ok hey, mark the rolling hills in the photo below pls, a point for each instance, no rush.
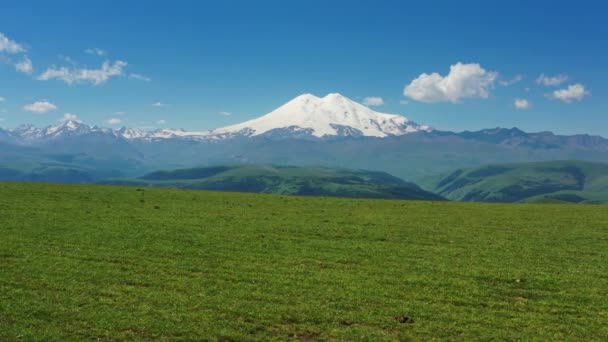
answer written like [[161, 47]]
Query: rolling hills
[[287, 180], [55, 169], [555, 181], [90, 262]]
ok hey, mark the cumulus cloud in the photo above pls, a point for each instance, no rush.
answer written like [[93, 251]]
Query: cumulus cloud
[[40, 107], [140, 77], [161, 122], [574, 92], [551, 80], [68, 117], [373, 101], [9, 46], [96, 51], [25, 66], [114, 121], [522, 104], [75, 75], [463, 81]]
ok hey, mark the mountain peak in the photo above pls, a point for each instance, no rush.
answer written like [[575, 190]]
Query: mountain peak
[[331, 97], [71, 124], [306, 97], [67, 126], [332, 115], [131, 133], [335, 96]]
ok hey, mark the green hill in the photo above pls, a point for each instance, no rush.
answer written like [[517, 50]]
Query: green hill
[[556, 181], [286, 180], [90, 262], [51, 171]]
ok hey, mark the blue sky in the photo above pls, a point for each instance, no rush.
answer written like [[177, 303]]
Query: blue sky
[[200, 61]]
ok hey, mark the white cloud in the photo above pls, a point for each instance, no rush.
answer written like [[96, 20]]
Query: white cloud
[[373, 101], [522, 104], [516, 79], [225, 113], [25, 66], [40, 107], [68, 117], [551, 80], [463, 81], [574, 92], [94, 76], [9, 46], [140, 77], [96, 51], [159, 104], [114, 121], [161, 122]]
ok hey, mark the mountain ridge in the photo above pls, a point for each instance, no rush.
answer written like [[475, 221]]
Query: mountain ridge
[[29, 133], [554, 181], [285, 180], [332, 115], [413, 155], [304, 117]]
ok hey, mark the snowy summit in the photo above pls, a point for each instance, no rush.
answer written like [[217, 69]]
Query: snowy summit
[[332, 115]]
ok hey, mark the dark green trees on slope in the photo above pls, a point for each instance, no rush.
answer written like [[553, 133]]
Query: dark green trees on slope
[[289, 180]]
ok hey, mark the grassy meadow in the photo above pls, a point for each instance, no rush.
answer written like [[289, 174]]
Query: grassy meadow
[[90, 262]]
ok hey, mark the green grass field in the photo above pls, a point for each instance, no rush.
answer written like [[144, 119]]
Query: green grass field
[[117, 263]]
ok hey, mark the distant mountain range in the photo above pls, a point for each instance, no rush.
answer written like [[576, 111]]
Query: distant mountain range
[[305, 116], [331, 131], [555, 181], [286, 180]]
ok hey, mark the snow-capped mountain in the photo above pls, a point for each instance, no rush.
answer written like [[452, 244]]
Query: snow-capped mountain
[[67, 128], [308, 130], [309, 115], [332, 115], [131, 133], [305, 116]]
